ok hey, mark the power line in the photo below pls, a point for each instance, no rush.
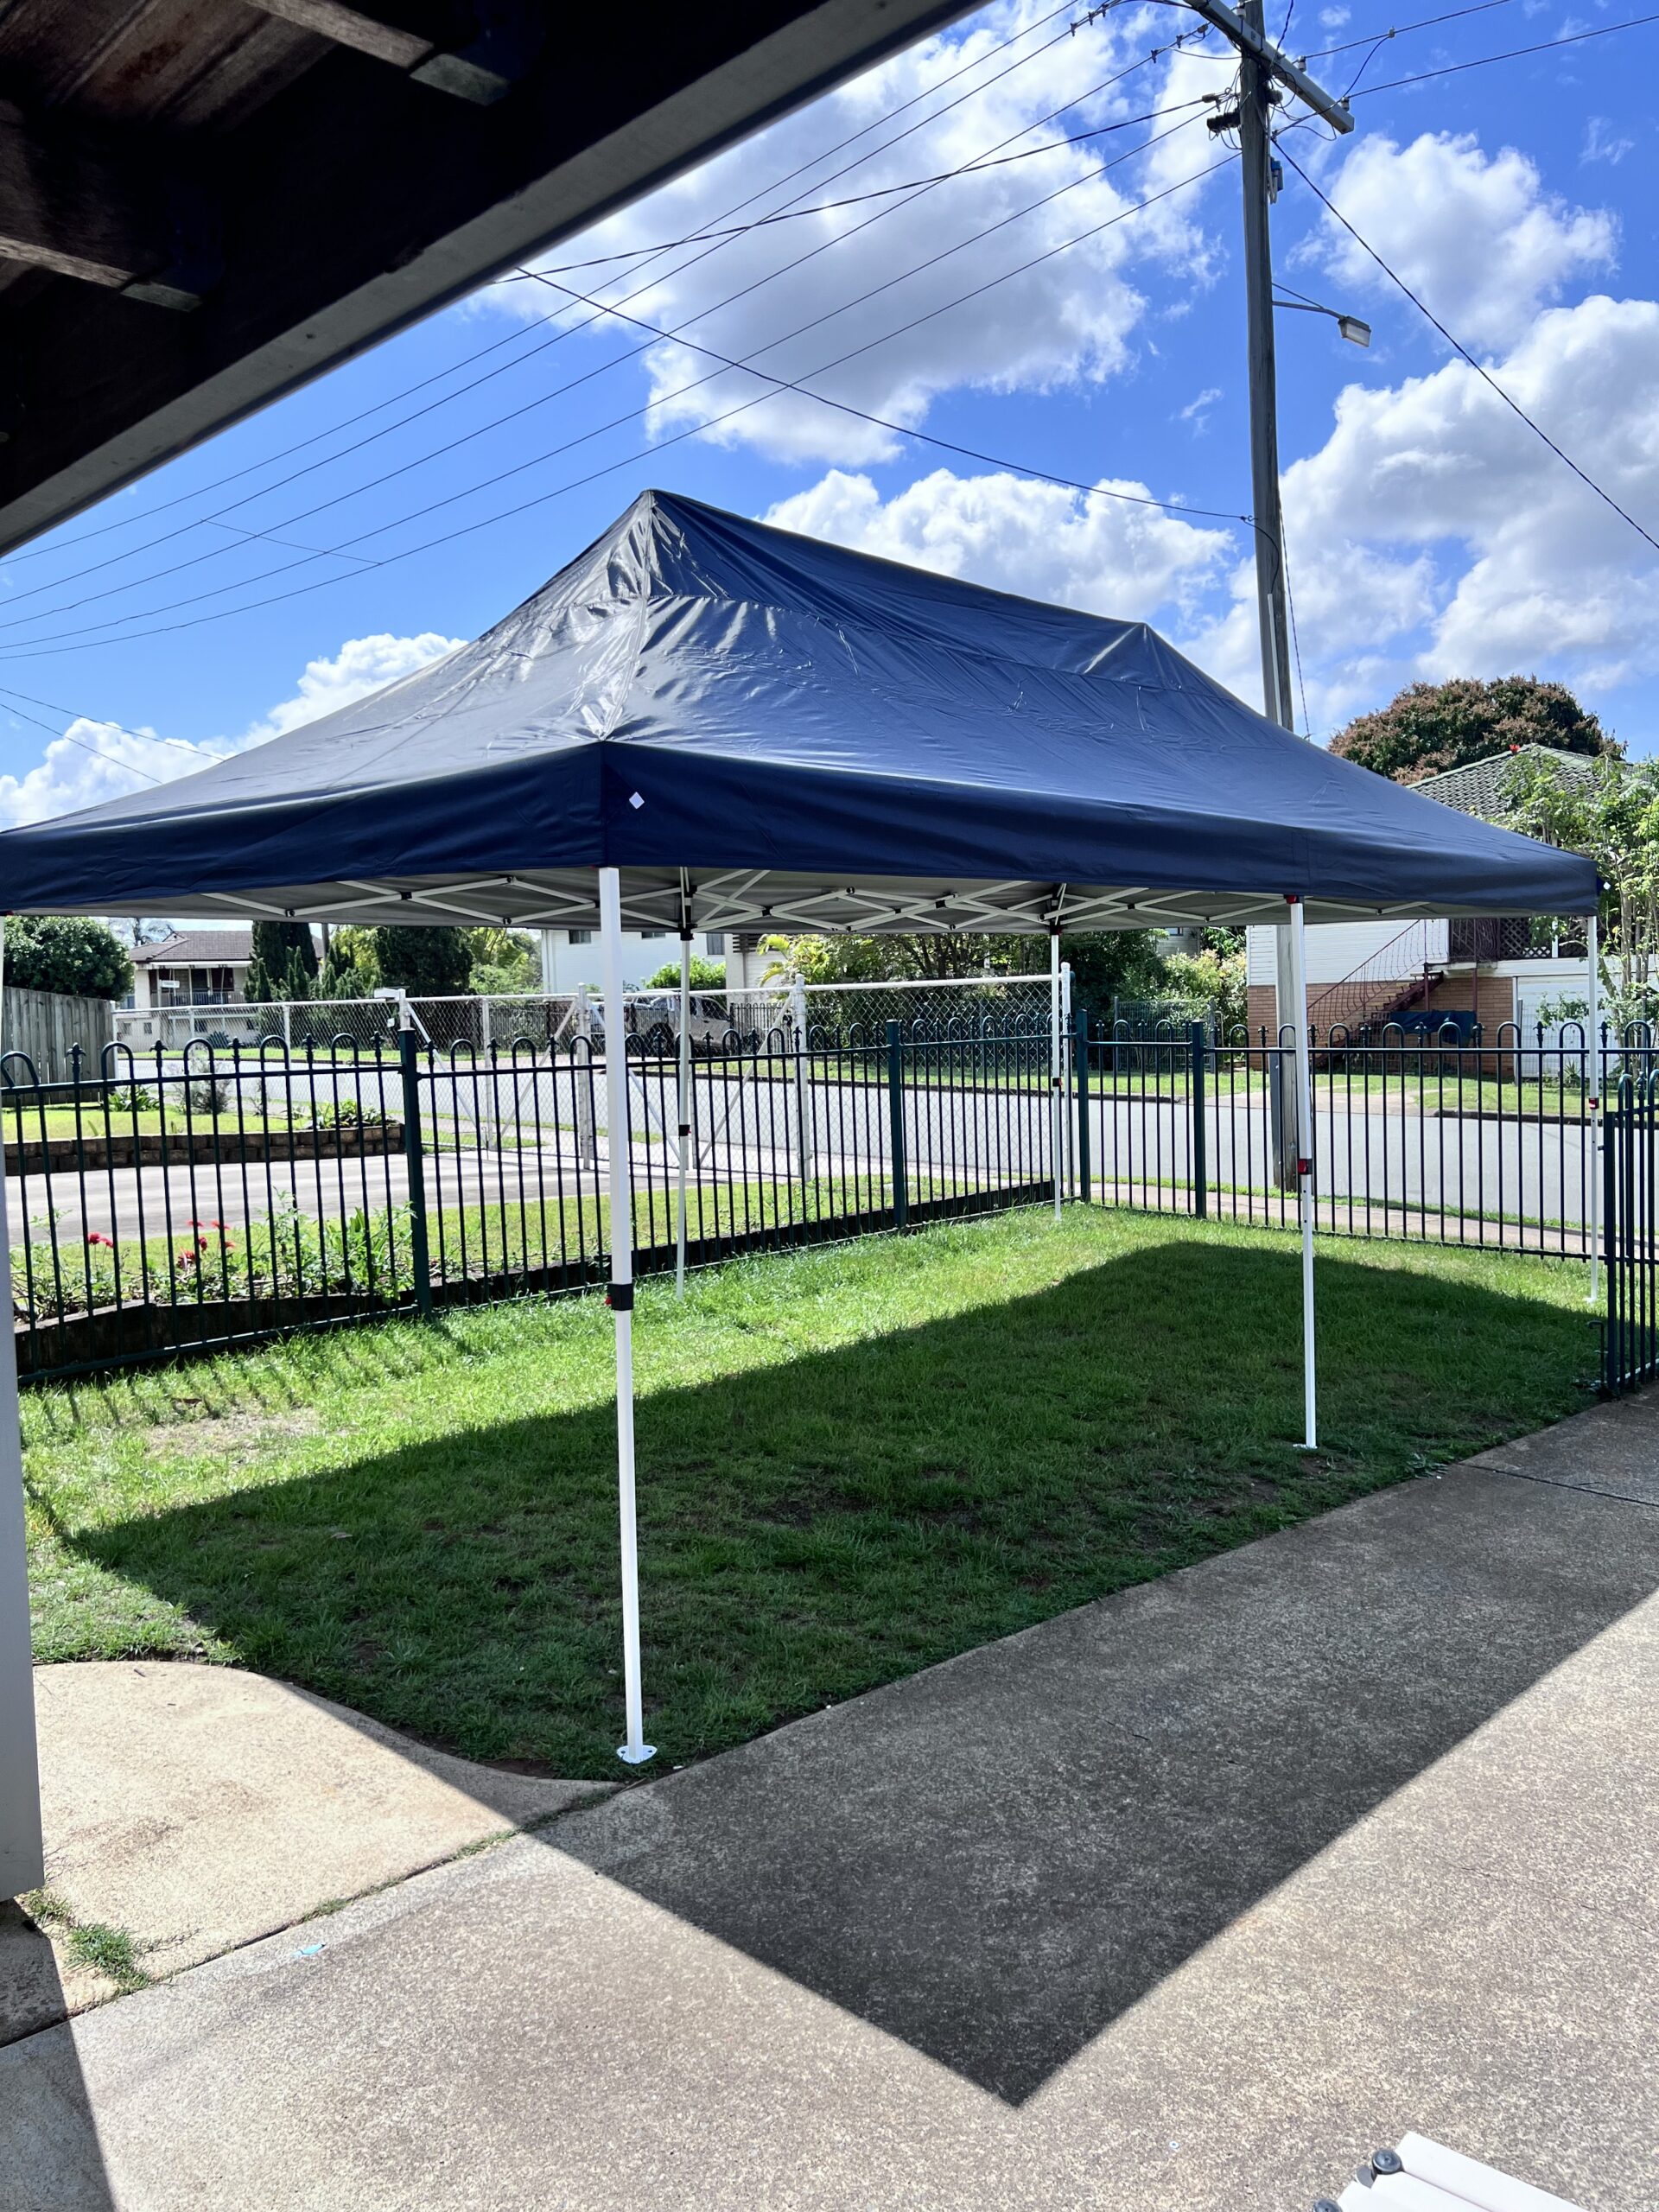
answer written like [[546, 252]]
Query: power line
[[1510, 53], [779, 384], [601, 309], [1458, 347], [1399, 30], [103, 721], [98, 753], [981, 165], [654, 335], [771, 185]]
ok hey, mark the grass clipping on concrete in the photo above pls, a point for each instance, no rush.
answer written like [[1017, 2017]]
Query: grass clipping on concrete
[[852, 1462]]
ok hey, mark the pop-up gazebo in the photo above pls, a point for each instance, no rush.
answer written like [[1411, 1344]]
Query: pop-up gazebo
[[702, 720]]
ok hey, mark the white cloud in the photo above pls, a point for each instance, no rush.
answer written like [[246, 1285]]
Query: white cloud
[[1070, 320], [1197, 411], [1601, 145], [1104, 556], [1435, 534], [1475, 235], [94, 760], [361, 666], [1334, 19]]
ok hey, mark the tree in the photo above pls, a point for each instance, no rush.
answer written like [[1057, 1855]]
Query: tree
[[1431, 727], [427, 963], [82, 959], [348, 970], [1106, 965], [502, 961], [282, 963], [1611, 816]]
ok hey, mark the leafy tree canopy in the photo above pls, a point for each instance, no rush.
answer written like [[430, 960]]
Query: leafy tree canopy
[[503, 960], [1431, 727], [82, 959], [429, 963]]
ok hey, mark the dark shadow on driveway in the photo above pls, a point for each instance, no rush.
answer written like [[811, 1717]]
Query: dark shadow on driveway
[[995, 1858]]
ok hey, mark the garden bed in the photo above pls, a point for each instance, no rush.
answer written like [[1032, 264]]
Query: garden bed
[[117, 1334], [179, 1147]]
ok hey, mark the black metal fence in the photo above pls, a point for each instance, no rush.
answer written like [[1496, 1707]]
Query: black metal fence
[[1631, 1211], [1455, 1137], [169, 1203], [166, 1202]]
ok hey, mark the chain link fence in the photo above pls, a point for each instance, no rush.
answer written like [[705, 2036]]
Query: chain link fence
[[850, 1014]]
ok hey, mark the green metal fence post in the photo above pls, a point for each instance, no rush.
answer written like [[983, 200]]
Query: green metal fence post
[[419, 1258], [896, 1119], [1083, 1162], [1200, 1130]]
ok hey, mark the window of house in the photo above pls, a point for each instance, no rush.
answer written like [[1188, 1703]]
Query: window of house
[[713, 943], [580, 937]]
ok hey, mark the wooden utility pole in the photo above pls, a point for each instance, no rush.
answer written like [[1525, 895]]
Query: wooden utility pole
[[1263, 71]]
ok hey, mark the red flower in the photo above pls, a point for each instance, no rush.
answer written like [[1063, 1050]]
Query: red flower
[[93, 1237]]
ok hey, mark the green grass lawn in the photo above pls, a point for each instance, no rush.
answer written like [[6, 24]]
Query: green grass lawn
[[854, 1461]]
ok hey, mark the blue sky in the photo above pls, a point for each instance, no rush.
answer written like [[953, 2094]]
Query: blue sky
[[1430, 531]]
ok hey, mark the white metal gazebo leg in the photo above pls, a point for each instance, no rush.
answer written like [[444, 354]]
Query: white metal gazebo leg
[[635, 1751], [684, 1139], [1305, 1170], [1593, 1086], [21, 1860], [1056, 1069]]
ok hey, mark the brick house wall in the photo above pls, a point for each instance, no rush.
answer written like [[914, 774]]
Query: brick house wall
[[1492, 997]]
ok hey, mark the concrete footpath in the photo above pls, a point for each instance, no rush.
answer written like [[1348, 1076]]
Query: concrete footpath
[[1183, 1900]]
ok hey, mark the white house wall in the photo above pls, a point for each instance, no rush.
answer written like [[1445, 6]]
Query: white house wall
[[1335, 950], [1538, 983]]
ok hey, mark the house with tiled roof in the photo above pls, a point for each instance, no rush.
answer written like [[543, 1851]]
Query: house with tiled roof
[[1361, 975], [191, 968]]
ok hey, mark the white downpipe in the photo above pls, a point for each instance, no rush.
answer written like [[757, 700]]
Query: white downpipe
[[684, 1140], [1056, 1068], [22, 1861], [1305, 1170], [1593, 1068], [636, 1751]]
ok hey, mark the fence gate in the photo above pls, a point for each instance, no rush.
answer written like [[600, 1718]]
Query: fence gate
[[1629, 1354]]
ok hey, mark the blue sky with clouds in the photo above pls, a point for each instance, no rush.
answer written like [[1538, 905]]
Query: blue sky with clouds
[[1075, 310]]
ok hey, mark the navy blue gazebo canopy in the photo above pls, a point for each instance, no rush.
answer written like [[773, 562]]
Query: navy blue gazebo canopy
[[795, 737]]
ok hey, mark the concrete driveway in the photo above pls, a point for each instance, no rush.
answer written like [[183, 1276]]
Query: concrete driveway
[[1183, 1900]]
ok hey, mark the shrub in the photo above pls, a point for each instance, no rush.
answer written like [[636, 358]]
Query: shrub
[[347, 1114], [706, 975]]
